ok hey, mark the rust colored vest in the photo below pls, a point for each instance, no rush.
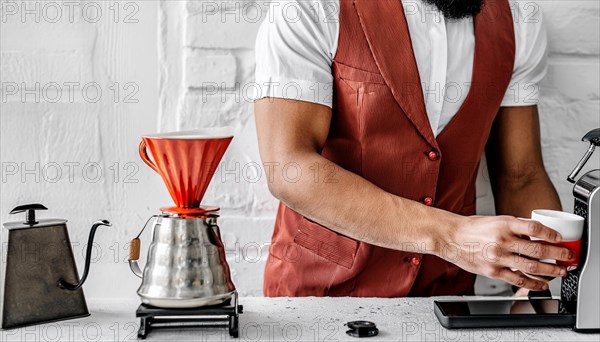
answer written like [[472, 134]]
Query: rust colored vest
[[380, 131]]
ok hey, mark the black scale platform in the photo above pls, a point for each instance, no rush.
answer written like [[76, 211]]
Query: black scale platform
[[218, 316]]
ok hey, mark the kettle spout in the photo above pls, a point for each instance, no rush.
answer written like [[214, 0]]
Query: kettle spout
[[72, 287]]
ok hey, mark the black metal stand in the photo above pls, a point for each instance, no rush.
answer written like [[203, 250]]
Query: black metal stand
[[218, 316]]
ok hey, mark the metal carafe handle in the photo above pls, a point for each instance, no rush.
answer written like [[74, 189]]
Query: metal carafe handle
[[134, 256], [134, 251], [72, 287], [593, 137]]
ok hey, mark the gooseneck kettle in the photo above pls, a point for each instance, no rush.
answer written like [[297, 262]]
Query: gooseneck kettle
[[40, 279]]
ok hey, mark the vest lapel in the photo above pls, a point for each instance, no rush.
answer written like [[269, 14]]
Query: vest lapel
[[387, 33]]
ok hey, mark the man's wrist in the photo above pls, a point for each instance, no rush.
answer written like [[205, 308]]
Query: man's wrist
[[444, 230]]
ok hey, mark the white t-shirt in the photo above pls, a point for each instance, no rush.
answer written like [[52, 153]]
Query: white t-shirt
[[298, 40]]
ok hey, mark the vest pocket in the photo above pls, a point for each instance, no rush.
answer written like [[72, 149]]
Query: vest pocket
[[326, 244], [349, 73]]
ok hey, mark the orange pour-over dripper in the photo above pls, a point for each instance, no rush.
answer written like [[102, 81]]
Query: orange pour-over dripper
[[186, 161]]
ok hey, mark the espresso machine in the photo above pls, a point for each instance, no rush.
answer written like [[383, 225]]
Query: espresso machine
[[580, 290], [186, 280]]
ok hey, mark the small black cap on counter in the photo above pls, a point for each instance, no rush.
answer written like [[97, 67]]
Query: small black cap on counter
[[362, 329]]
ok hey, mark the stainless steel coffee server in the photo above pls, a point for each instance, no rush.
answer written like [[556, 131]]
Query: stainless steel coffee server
[[186, 266], [580, 294]]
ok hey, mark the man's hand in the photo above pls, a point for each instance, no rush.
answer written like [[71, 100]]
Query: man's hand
[[498, 247]]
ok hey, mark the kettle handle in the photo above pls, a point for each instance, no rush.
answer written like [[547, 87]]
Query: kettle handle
[[134, 256], [72, 287], [146, 158], [134, 250]]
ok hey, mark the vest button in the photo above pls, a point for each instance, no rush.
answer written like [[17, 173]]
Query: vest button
[[415, 261], [428, 201], [433, 155]]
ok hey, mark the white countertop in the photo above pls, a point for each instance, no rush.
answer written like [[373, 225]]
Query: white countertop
[[288, 319]]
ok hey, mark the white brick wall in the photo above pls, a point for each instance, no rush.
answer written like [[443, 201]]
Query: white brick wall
[[186, 64]]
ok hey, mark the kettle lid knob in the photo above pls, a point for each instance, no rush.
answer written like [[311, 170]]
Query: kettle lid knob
[[29, 210]]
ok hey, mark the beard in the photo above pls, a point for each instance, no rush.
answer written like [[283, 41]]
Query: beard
[[457, 9]]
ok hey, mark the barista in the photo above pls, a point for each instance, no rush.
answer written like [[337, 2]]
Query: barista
[[372, 117]]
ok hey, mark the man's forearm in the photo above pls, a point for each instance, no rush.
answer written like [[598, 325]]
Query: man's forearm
[[514, 157], [352, 206], [519, 198]]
